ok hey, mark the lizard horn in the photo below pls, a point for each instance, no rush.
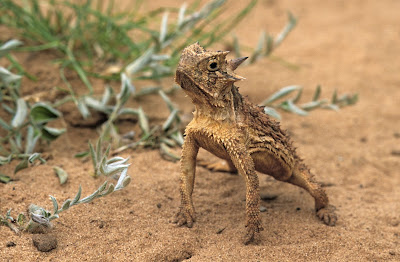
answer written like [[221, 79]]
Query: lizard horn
[[234, 63]]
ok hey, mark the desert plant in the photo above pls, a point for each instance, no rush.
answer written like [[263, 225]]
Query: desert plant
[[41, 217], [28, 123], [84, 32], [289, 104]]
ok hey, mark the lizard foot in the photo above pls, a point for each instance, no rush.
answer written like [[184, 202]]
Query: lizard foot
[[218, 166], [252, 229], [185, 217], [327, 215]]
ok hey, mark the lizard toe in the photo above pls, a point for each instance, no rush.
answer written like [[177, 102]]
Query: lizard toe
[[328, 215], [184, 218]]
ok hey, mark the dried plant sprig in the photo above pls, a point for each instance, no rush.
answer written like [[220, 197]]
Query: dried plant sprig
[[290, 105], [40, 216], [266, 43]]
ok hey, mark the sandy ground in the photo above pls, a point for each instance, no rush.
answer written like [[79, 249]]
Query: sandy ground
[[353, 46]]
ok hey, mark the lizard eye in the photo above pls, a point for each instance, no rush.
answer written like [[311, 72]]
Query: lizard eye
[[213, 65]]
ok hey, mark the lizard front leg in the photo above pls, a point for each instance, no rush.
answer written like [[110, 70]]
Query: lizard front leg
[[245, 166], [186, 214]]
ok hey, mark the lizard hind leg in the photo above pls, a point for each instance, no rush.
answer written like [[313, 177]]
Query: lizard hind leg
[[302, 177]]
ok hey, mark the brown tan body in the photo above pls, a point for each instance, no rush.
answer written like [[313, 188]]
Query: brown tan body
[[230, 127]]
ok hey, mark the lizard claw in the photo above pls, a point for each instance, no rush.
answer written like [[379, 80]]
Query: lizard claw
[[328, 215], [252, 229], [184, 217]]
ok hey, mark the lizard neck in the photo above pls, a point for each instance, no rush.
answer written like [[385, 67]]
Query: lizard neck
[[226, 109]]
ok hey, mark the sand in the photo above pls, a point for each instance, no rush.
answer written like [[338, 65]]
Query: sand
[[351, 46]]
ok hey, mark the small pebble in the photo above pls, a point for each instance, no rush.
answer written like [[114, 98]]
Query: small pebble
[[219, 231], [395, 152], [11, 244], [44, 242], [298, 208], [263, 209], [159, 205]]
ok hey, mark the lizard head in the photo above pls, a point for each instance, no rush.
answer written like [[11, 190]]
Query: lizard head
[[206, 76]]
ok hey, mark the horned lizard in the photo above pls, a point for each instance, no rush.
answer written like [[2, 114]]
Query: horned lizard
[[229, 126]]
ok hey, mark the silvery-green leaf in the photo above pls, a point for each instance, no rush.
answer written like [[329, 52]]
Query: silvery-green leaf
[[118, 159], [94, 195], [160, 57], [166, 151], [40, 219], [83, 109], [289, 106], [164, 28], [5, 160], [109, 170], [96, 105], [286, 30], [128, 111], [167, 124], [272, 112], [331, 106], [258, 50], [62, 175], [126, 89], [108, 92], [181, 15], [281, 93], [317, 93], [21, 219], [93, 157], [168, 142], [53, 217], [50, 133], [313, 104], [7, 77], [99, 145], [147, 91], [35, 209], [298, 95], [4, 179], [55, 205], [14, 146], [20, 114], [9, 45], [334, 97], [82, 154], [8, 109], [22, 165], [4, 125], [177, 136], [43, 113], [18, 140], [31, 139], [140, 63], [66, 205], [108, 191], [123, 180], [77, 196], [269, 45], [33, 157], [143, 121]]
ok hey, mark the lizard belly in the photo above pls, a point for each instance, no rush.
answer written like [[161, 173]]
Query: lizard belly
[[268, 163], [214, 147]]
